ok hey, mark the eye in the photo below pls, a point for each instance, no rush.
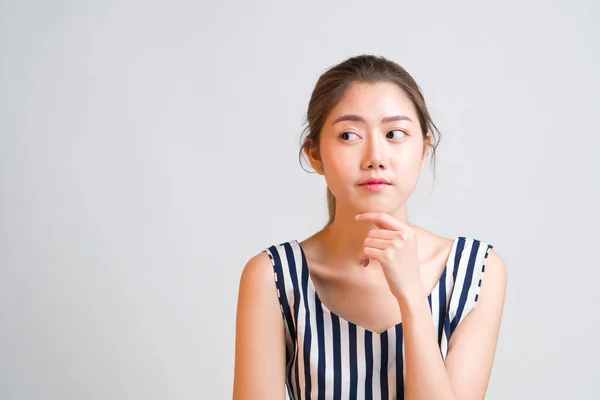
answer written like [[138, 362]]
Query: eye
[[399, 134], [346, 135]]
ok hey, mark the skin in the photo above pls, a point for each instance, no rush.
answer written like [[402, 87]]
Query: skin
[[403, 261]]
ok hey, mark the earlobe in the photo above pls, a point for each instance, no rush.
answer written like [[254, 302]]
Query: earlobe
[[313, 157], [426, 150], [319, 168]]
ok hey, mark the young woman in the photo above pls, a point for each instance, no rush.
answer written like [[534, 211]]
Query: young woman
[[371, 306]]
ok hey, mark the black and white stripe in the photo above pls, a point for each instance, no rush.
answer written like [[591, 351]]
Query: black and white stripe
[[331, 358]]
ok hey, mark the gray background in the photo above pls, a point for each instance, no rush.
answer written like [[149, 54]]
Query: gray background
[[148, 150]]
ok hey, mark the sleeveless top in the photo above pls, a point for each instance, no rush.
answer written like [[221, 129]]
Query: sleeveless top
[[328, 357]]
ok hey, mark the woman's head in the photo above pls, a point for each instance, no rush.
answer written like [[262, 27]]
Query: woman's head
[[367, 118]]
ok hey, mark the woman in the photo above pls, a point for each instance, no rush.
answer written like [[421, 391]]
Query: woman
[[371, 306]]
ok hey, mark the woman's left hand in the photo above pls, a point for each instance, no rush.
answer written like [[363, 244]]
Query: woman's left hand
[[394, 245]]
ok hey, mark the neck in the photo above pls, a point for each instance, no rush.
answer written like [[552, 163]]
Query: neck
[[344, 237]]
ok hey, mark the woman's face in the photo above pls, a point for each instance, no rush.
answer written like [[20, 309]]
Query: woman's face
[[373, 132]]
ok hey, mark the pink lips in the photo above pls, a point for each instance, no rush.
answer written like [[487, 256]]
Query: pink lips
[[375, 184]]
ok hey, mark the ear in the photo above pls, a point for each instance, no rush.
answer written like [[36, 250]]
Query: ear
[[427, 145], [314, 158]]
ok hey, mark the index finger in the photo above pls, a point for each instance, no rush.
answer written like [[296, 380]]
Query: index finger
[[381, 220]]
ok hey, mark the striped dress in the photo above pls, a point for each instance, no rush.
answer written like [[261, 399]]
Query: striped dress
[[328, 357]]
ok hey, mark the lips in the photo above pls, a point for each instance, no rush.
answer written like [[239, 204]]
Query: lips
[[375, 181]]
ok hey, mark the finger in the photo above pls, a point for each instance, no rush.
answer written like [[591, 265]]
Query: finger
[[377, 243], [383, 234], [382, 220], [375, 254]]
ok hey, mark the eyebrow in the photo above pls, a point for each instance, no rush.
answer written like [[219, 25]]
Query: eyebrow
[[358, 118]]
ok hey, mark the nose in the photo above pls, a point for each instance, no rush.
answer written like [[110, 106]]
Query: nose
[[375, 155]]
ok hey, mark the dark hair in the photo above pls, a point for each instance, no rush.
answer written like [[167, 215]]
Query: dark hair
[[332, 85]]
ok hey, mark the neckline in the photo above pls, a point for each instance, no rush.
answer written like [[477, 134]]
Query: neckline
[[306, 270]]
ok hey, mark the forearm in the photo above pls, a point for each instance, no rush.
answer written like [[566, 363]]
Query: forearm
[[426, 376]]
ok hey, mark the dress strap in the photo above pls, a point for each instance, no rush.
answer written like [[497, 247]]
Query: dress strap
[[285, 269], [469, 268]]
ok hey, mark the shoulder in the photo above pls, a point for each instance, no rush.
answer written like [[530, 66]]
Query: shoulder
[[258, 270], [260, 335], [490, 265], [257, 297], [472, 344], [496, 274], [489, 256]]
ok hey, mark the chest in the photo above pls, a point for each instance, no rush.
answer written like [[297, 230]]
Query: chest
[[366, 303], [363, 297]]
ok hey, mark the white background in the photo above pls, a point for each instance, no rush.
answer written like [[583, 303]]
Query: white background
[[148, 150]]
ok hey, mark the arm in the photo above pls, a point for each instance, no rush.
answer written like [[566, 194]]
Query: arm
[[260, 337], [466, 372]]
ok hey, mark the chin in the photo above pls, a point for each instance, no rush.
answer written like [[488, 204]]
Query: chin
[[376, 206]]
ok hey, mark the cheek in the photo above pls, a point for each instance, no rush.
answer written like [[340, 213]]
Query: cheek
[[337, 171], [407, 159], [407, 170], [337, 160], [340, 170]]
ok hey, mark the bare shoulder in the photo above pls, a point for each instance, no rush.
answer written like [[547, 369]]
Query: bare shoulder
[[258, 300], [258, 271], [260, 341], [494, 260], [496, 274]]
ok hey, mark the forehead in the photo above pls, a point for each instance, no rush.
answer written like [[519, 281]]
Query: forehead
[[374, 100]]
